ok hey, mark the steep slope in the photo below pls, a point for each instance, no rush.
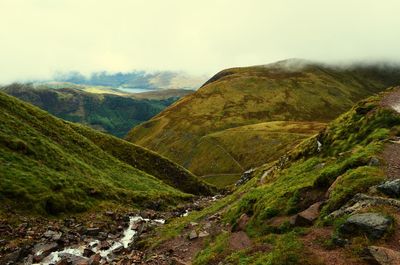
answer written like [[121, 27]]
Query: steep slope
[[111, 113], [300, 209], [291, 90], [147, 161], [51, 166]]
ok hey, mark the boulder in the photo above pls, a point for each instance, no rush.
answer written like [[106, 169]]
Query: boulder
[[362, 201], [95, 259], [74, 260], [384, 256], [242, 222], [118, 249], [104, 245], [308, 216], [40, 251], [390, 188], [53, 235], [87, 252], [93, 231], [374, 225]]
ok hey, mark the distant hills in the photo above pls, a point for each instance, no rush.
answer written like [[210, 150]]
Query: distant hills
[[244, 117], [51, 166], [136, 79], [102, 108]]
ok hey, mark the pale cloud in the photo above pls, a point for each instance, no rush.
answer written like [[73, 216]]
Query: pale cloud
[[40, 37]]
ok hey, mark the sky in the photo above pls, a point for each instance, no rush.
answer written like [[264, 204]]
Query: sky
[[42, 37]]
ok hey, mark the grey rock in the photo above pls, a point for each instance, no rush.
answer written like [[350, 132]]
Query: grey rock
[[203, 234], [11, 258], [390, 188], [193, 235], [374, 225], [361, 201], [118, 249], [87, 252], [41, 250], [242, 222], [53, 235], [384, 256], [93, 231], [74, 260], [246, 176], [374, 162]]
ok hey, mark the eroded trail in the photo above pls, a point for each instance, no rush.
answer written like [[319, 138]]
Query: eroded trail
[[392, 100], [391, 154]]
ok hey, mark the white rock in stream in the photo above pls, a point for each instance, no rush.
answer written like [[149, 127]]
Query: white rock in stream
[[127, 238]]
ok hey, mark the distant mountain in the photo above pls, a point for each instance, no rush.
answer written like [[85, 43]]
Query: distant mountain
[[243, 117], [114, 113], [135, 79], [50, 166]]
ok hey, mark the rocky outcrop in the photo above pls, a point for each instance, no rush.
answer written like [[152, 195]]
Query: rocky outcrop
[[361, 201], [384, 256], [390, 188], [374, 225], [246, 176]]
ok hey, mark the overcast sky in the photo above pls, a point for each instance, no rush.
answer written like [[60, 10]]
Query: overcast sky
[[40, 37]]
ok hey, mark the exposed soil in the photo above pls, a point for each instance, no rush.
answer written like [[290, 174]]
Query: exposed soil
[[314, 243], [391, 154], [392, 100], [182, 249], [239, 240]]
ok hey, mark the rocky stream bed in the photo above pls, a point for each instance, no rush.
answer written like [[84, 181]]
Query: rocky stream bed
[[103, 238]]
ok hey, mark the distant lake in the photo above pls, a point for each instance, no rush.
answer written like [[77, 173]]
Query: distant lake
[[134, 90]]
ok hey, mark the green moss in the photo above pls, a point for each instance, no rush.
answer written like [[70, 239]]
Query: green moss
[[287, 251], [214, 250], [352, 182]]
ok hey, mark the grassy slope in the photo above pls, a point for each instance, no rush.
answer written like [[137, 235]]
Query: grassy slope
[[112, 113], [164, 94], [46, 166], [297, 180], [250, 95], [245, 147], [147, 161]]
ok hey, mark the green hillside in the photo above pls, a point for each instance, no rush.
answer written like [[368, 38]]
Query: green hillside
[[48, 165], [193, 131], [352, 158], [114, 113]]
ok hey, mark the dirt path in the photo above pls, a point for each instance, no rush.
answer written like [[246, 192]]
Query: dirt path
[[391, 154], [392, 100]]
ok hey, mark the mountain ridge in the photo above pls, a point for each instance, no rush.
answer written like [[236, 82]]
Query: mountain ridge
[[249, 95]]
